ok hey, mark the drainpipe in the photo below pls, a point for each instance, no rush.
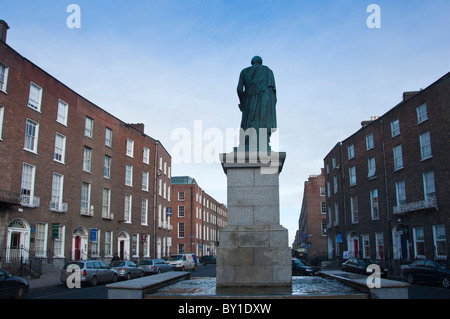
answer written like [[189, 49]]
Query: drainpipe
[[154, 200], [389, 234]]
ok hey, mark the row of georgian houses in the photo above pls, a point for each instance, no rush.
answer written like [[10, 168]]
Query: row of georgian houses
[[387, 184], [76, 182]]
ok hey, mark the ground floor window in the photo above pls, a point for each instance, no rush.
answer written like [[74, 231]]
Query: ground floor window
[[440, 242], [419, 243]]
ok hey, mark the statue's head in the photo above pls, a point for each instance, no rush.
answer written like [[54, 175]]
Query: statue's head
[[257, 59]]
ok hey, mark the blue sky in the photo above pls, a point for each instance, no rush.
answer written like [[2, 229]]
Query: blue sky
[[171, 63]]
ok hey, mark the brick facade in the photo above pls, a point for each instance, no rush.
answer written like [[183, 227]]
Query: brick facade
[[64, 186], [396, 206], [196, 218]]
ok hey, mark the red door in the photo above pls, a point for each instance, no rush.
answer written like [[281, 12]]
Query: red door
[[77, 248], [355, 243]]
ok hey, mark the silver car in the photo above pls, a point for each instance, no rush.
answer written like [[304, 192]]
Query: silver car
[[127, 269], [91, 272], [155, 266]]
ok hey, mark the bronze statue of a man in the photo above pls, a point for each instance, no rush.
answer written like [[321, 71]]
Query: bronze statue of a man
[[257, 95]]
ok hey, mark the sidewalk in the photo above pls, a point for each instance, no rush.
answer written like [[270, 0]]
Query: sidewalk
[[45, 281]]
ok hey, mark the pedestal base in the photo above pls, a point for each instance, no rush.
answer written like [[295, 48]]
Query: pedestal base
[[253, 249]]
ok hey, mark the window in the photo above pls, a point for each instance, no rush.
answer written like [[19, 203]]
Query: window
[[333, 162], [398, 157], [369, 141], [85, 199], [145, 179], [440, 242], [144, 212], [328, 189], [323, 208], [379, 245], [130, 147], [129, 175], [31, 136], [324, 227], [400, 193], [322, 191], [146, 245], [135, 245], [34, 101], [40, 240], [106, 204], [354, 209], [428, 185], [57, 193], [371, 167], [58, 249], [352, 175], [108, 137], [395, 128], [374, 204], [4, 70], [425, 146], [146, 155], [89, 127], [127, 210], [366, 245], [2, 114], [27, 188], [63, 111], [108, 243], [180, 210], [419, 243], [422, 115], [107, 167], [180, 195], [351, 151], [94, 238], [87, 159], [335, 184], [60, 148], [180, 230], [336, 214]]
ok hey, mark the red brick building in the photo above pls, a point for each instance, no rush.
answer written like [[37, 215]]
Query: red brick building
[[196, 218], [76, 182], [311, 238], [387, 184]]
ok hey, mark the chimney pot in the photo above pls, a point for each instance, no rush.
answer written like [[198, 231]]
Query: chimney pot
[[3, 30]]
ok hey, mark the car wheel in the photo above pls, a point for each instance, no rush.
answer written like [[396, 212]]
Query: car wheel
[[128, 276], [411, 278], [159, 270], [446, 282], [141, 274], [20, 292], [114, 279], [93, 281]]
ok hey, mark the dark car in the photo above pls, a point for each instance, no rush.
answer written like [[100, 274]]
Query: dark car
[[428, 270], [300, 268], [155, 266], [12, 286], [208, 260], [360, 265]]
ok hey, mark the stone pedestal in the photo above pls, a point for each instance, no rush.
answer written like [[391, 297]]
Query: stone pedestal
[[253, 249]]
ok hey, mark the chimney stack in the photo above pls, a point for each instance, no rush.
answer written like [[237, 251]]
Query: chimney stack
[[3, 30]]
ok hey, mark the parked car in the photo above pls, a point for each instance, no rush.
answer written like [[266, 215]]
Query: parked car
[[183, 262], [300, 268], [12, 286], [427, 270], [91, 271], [359, 266], [127, 269], [208, 260], [155, 266]]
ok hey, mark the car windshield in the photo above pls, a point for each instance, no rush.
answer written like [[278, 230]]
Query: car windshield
[[79, 264], [117, 264], [145, 262], [175, 257]]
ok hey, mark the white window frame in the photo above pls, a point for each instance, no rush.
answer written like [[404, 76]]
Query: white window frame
[[129, 175], [400, 192], [108, 137], [425, 146], [369, 142], [60, 148], [2, 115], [398, 157], [354, 209], [107, 167], [28, 181], [422, 114], [106, 204], [109, 243], [144, 212], [130, 148], [352, 175], [35, 98], [418, 237], [40, 240], [128, 206], [89, 127], [181, 211], [63, 111], [4, 71], [429, 185], [439, 237], [181, 230], [87, 159], [395, 128], [371, 167], [145, 181], [56, 203], [146, 155], [374, 205], [31, 137], [181, 196], [351, 151], [85, 206]]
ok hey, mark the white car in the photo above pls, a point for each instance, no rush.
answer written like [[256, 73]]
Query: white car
[[182, 261]]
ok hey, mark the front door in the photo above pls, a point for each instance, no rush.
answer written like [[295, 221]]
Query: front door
[[77, 247], [122, 249]]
